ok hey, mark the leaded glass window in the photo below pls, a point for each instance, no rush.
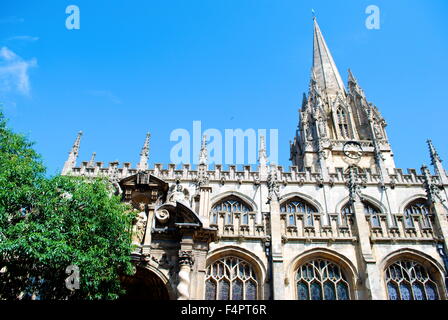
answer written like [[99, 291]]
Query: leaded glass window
[[229, 207], [321, 280], [373, 213], [231, 278], [409, 280], [368, 210], [214, 218], [419, 207], [297, 205], [245, 219], [343, 123]]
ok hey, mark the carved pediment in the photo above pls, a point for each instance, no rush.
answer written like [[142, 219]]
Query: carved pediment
[[144, 188], [180, 215]]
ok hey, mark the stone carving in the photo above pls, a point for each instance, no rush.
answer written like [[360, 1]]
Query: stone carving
[[322, 127], [273, 184], [186, 261], [432, 189], [354, 184], [177, 193], [162, 216], [139, 225], [378, 130]]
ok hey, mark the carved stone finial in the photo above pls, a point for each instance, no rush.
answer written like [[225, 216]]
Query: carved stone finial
[[262, 157], [72, 155], [92, 161], [144, 154], [433, 153], [203, 154], [432, 189]]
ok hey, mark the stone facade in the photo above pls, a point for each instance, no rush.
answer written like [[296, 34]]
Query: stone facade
[[342, 223]]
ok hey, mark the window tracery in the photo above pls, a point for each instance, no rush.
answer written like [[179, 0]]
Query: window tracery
[[419, 207], [369, 210], [409, 280], [321, 280], [231, 278], [229, 207], [343, 123], [295, 206]]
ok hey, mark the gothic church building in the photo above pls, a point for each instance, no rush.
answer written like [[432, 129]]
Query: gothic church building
[[342, 223]]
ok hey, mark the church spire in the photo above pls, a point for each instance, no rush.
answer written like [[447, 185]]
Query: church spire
[[73, 155], [144, 154], [327, 75]]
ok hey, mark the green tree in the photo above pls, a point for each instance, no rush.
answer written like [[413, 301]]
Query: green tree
[[50, 224]]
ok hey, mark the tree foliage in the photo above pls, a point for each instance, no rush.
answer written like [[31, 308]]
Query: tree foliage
[[48, 224]]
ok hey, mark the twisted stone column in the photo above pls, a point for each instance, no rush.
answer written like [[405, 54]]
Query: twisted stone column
[[186, 261]]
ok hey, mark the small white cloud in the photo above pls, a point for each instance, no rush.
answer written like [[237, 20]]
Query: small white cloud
[[105, 94], [14, 72], [23, 38]]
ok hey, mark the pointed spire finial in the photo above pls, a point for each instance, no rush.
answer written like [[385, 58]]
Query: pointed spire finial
[[436, 162], [77, 143], [433, 153], [313, 13], [351, 77], [203, 154], [144, 154], [92, 160], [262, 157], [72, 155], [327, 75]]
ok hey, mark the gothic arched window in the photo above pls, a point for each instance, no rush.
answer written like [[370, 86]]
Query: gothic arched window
[[369, 210], [373, 213], [343, 123], [409, 280], [321, 280], [297, 205], [231, 278], [229, 207], [419, 207]]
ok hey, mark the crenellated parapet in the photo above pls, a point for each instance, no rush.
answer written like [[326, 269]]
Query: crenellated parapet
[[245, 174]]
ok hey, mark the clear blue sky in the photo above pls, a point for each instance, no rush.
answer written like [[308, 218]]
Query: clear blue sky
[[138, 66]]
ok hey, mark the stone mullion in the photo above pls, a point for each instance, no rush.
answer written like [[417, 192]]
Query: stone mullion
[[372, 285], [277, 252]]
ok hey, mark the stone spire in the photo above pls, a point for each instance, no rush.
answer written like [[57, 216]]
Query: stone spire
[[144, 154], [72, 155], [433, 153], [437, 162], [203, 154], [92, 160], [351, 77], [262, 159], [353, 84], [325, 71]]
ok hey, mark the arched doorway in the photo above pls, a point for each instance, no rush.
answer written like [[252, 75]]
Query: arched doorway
[[144, 285]]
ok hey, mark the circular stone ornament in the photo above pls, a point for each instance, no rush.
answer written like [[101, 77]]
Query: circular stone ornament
[[352, 150], [162, 215]]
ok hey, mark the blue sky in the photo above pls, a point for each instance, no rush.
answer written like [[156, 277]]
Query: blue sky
[[138, 66]]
